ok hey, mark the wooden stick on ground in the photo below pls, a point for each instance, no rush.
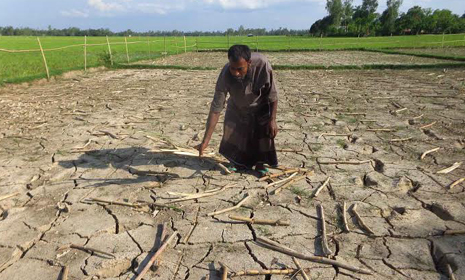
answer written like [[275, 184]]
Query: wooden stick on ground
[[459, 181], [324, 240], [133, 205], [224, 168], [449, 169], [285, 172], [302, 271], [450, 272], [454, 232], [64, 273], [428, 152], [344, 217], [3, 197], [287, 251], [345, 162], [289, 183], [109, 134], [253, 272], [360, 220], [178, 265], [418, 117], [224, 275], [155, 256], [381, 129], [318, 190], [333, 135], [428, 125], [201, 195], [259, 221], [91, 250], [281, 181], [238, 205], [400, 139]]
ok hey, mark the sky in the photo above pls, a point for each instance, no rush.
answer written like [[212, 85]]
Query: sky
[[183, 15]]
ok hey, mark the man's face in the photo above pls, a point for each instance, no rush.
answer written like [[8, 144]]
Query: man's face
[[238, 69]]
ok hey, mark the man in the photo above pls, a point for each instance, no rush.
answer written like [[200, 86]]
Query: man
[[250, 120]]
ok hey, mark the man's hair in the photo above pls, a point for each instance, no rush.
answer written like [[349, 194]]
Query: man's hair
[[236, 52]]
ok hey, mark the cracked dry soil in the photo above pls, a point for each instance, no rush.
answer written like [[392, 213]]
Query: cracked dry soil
[[86, 137]]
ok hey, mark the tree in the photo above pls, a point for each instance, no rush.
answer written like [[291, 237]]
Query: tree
[[370, 6], [413, 21], [347, 12], [365, 17], [334, 8], [444, 20], [389, 16]]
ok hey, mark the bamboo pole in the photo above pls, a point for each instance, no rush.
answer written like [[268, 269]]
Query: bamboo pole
[[442, 45], [109, 51], [148, 43], [185, 44], [176, 44], [44, 59], [127, 51], [85, 53], [197, 44], [256, 42], [288, 43], [228, 40], [164, 45]]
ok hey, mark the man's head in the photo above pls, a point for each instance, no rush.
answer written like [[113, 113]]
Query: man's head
[[239, 61]]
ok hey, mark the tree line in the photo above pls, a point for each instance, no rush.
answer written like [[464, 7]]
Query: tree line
[[345, 19], [74, 31]]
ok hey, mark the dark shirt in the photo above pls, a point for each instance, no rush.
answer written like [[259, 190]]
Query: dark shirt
[[256, 89]]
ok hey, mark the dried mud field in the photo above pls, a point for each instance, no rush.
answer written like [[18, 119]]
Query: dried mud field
[[217, 59], [92, 192]]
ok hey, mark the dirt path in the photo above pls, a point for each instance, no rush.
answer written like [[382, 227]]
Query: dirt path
[[86, 137]]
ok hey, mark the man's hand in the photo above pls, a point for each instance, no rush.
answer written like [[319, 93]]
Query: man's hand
[[201, 147], [272, 129]]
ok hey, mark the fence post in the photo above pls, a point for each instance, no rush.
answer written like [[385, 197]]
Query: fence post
[[289, 43], [321, 37], [148, 43], [442, 40], [85, 52], [109, 51], [185, 45], [127, 51], [228, 41], [197, 44], [45, 60], [164, 45], [256, 42]]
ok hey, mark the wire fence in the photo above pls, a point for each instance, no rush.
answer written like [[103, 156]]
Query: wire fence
[[24, 58]]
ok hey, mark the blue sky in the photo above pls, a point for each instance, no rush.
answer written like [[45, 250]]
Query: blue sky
[[183, 15]]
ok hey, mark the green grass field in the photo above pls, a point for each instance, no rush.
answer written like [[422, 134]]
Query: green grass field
[[67, 53]]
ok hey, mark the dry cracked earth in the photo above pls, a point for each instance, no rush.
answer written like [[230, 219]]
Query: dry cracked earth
[[96, 135]]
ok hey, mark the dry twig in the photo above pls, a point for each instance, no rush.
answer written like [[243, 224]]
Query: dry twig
[[155, 256], [345, 162], [64, 273], [449, 169], [324, 240], [450, 272], [238, 205], [428, 125], [3, 197], [278, 222], [285, 172], [289, 183], [285, 250], [400, 139], [428, 152], [302, 271], [454, 231], [90, 250], [318, 190], [333, 135], [201, 195], [360, 220], [253, 272], [459, 181], [281, 181]]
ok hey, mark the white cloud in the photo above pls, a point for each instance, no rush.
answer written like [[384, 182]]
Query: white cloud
[[252, 4], [74, 13], [105, 6], [159, 8]]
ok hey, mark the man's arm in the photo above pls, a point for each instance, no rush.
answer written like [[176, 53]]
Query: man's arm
[[210, 127], [273, 127]]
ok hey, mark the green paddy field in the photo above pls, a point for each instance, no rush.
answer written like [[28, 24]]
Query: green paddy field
[[21, 58]]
